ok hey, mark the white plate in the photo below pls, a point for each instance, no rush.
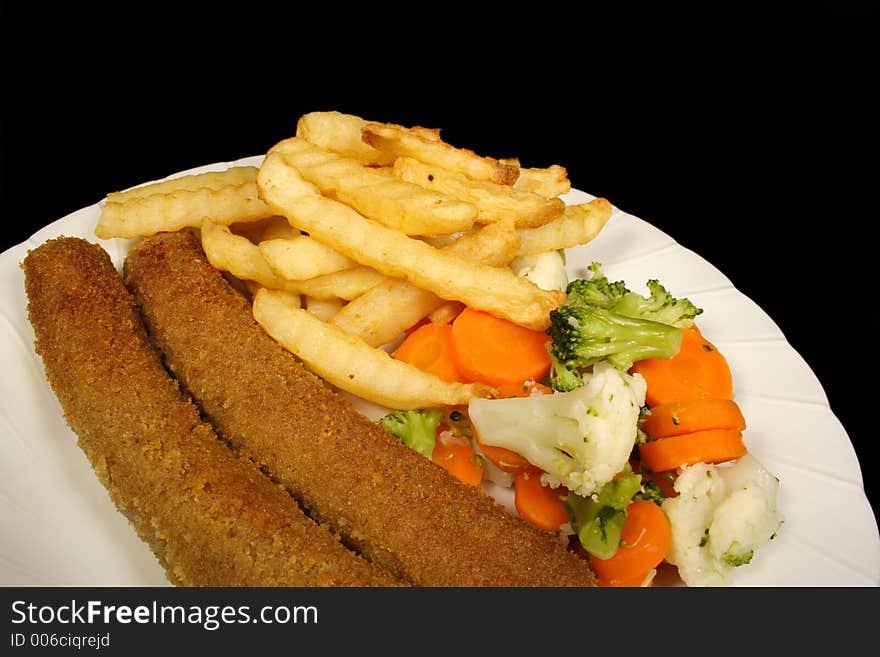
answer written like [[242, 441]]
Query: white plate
[[59, 528]]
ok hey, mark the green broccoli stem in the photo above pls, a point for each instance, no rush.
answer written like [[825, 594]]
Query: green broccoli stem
[[598, 522], [583, 336]]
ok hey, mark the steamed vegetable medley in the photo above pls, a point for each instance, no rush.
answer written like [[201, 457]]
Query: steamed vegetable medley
[[616, 428]]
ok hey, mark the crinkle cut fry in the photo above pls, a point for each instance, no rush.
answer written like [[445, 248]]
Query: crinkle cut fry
[[210, 516], [392, 504]]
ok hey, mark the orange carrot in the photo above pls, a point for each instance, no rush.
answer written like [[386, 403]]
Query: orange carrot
[[455, 455], [677, 418], [538, 504], [712, 446], [504, 458], [644, 542], [698, 370], [524, 389], [429, 347], [495, 351]]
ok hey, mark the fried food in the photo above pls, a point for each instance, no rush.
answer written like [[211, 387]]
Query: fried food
[[383, 312], [210, 517], [225, 197], [376, 194], [301, 257], [496, 290], [579, 224], [390, 503], [240, 257], [494, 202], [350, 364], [403, 142], [547, 181]]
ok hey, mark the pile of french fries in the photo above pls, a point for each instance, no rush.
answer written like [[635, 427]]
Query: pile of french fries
[[352, 231]]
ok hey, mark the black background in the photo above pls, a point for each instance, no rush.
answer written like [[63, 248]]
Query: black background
[[749, 140]]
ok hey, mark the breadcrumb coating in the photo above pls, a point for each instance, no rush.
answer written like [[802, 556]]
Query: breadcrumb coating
[[210, 517], [388, 502]]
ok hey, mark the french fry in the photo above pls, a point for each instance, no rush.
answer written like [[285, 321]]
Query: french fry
[[278, 228], [341, 133], [494, 202], [377, 195], [381, 314], [345, 284], [548, 182], [223, 197], [579, 224], [323, 309], [301, 257], [290, 298], [231, 177], [239, 256], [351, 365], [400, 142], [496, 290], [446, 313]]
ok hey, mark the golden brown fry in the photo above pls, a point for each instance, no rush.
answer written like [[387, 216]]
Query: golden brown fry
[[231, 177], [323, 309], [352, 365], [377, 195], [549, 183], [340, 133], [493, 289], [239, 256], [223, 197], [345, 284], [302, 257], [278, 228], [446, 313], [494, 202], [381, 314], [401, 142], [579, 224]]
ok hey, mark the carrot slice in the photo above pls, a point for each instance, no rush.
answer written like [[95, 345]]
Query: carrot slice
[[712, 446], [457, 457], [524, 389], [698, 370], [540, 505], [496, 351], [429, 347], [644, 542], [677, 418]]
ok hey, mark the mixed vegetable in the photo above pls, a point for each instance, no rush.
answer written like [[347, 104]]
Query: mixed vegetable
[[616, 428]]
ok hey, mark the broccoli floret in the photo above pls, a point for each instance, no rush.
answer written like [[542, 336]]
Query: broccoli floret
[[583, 336], [659, 307], [417, 429], [563, 379], [598, 521], [597, 291]]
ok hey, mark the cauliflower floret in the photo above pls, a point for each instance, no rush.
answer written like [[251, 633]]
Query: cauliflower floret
[[580, 439], [546, 270], [720, 517]]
